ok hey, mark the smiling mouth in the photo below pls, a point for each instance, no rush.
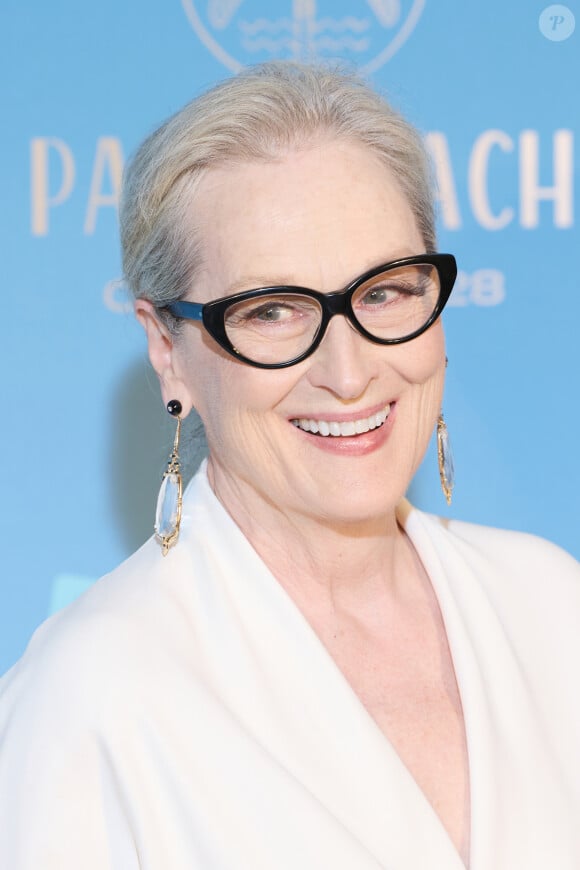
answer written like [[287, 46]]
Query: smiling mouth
[[343, 429]]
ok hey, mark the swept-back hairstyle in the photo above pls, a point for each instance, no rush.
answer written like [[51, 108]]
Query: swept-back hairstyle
[[257, 115]]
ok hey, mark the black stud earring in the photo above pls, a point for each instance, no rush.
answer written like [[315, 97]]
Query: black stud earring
[[174, 407]]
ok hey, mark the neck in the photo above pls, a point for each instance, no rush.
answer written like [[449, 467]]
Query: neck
[[337, 565]]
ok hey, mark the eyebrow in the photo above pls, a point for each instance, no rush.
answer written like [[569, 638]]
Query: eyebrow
[[255, 282]]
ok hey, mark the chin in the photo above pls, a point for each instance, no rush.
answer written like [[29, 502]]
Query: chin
[[358, 502]]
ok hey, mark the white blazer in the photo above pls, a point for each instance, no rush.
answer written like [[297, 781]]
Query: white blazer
[[182, 715]]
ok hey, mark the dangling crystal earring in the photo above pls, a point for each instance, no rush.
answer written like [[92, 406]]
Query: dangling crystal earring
[[168, 513], [445, 457]]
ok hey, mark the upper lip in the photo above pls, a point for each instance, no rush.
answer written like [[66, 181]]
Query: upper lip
[[333, 417]]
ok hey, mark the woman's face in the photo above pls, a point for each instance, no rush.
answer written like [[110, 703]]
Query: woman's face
[[316, 218]]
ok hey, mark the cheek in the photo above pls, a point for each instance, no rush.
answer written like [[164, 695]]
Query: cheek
[[424, 372], [231, 398], [204, 376], [421, 363]]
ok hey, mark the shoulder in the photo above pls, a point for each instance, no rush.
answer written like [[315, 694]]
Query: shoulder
[[510, 548], [501, 550], [531, 583], [72, 703], [100, 647], [116, 637], [518, 572]]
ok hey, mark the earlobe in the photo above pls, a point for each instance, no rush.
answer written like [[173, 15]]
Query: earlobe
[[162, 351]]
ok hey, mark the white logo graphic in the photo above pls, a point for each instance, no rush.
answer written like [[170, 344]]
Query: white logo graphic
[[366, 32]]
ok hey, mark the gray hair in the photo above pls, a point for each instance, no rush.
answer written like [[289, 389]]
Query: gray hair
[[258, 115]]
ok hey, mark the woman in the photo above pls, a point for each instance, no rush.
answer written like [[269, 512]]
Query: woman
[[300, 670]]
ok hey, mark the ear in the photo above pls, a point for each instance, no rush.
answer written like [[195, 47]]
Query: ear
[[162, 353]]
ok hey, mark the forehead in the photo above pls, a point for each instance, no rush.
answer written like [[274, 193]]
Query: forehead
[[316, 217]]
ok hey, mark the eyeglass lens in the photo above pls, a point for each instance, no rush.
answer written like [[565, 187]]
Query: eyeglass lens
[[279, 327]]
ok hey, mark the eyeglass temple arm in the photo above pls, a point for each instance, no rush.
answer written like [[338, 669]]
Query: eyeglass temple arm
[[187, 310]]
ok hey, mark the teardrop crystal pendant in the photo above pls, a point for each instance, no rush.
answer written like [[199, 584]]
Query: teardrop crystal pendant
[[445, 457], [168, 512]]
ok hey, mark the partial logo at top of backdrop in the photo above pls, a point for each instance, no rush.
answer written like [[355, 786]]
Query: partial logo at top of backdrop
[[242, 32]]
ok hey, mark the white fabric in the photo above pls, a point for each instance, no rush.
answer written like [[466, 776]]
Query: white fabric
[[182, 714]]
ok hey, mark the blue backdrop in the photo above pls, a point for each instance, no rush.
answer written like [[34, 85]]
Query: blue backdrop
[[84, 435]]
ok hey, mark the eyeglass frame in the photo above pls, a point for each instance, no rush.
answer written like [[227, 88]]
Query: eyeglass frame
[[212, 314]]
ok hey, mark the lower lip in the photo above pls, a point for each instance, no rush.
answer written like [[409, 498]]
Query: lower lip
[[352, 445]]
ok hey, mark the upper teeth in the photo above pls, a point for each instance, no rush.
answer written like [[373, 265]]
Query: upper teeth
[[351, 427]]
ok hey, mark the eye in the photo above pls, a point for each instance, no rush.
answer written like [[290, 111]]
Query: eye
[[390, 292], [282, 313], [378, 296], [384, 294], [271, 313]]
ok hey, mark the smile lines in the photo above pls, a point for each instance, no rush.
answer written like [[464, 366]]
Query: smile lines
[[345, 429]]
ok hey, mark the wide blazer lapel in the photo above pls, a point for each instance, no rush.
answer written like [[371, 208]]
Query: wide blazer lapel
[[523, 813], [266, 664]]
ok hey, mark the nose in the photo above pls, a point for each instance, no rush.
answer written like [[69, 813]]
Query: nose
[[345, 362]]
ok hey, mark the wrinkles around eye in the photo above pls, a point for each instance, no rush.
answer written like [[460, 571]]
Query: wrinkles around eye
[[272, 313]]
